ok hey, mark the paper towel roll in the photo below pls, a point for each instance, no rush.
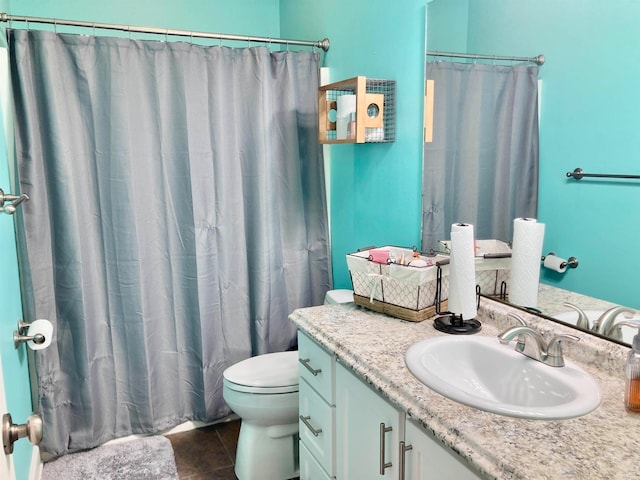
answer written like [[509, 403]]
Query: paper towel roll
[[553, 262], [462, 272], [528, 236], [42, 327], [346, 104]]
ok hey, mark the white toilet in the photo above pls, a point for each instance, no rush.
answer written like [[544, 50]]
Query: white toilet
[[263, 392]]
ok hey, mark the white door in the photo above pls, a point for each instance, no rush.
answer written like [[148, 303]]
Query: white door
[[15, 395], [5, 460]]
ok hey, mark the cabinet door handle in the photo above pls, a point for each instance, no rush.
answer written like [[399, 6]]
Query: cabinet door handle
[[403, 449], [315, 431], [305, 362], [383, 465]]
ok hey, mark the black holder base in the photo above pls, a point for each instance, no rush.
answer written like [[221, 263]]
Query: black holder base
[[455, 325]]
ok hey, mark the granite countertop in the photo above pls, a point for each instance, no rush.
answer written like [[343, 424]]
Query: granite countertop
[[601, 445]]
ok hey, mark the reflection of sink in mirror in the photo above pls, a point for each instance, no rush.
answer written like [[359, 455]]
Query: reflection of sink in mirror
[[571, 317], [480, 372]]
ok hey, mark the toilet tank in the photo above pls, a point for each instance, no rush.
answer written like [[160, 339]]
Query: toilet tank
[[338, 296]]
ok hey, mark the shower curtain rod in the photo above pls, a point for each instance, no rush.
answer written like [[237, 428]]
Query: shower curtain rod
[[5, 17], [538, 60]]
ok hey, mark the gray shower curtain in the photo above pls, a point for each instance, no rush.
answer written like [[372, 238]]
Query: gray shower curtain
[[177, 216], [482, 165]]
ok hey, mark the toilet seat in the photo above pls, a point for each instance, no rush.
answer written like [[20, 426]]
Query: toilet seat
[[270, 373]]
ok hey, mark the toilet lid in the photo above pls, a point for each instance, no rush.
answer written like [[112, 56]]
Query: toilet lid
[[338, 296], [266, 371]]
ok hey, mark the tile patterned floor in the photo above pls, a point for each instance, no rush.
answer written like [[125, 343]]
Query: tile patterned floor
[[206, 453]]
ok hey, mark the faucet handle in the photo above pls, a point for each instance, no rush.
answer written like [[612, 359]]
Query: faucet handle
[[555, 357]]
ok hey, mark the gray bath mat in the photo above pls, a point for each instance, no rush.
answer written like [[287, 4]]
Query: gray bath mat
[[140, 459]]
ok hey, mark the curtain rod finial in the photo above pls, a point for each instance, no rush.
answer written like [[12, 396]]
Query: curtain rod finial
[[324, 44]]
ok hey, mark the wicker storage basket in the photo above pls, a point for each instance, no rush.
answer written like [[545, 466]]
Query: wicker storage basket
[[403, 291]]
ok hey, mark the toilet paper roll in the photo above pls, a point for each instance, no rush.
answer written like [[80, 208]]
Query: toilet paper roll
[[528, 236], [462, 272], [555, 263], [346, 104], [42, 327], [342, 127]]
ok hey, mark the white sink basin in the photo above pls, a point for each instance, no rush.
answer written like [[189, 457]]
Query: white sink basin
[[481, 372]]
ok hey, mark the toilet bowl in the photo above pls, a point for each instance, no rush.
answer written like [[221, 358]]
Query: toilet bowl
[[263, 392]]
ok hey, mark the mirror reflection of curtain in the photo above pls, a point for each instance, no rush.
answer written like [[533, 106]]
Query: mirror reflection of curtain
[[482, 165], [177, 217]]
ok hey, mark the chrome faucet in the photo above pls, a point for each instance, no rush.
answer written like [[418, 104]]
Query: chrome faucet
[[532, 344], [605, 324], [583, 320]]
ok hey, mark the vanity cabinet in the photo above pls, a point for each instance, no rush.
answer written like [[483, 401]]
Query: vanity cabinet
[[375, 439], [348, 431], [317, 410], [426, 457]]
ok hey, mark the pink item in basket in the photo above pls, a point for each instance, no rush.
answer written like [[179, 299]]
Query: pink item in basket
[[379, 255]]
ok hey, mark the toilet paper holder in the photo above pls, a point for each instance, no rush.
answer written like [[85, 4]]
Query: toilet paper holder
[[571, 262], [20, 336], [12, 200]]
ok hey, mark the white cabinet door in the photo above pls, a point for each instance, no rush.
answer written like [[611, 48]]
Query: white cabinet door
[[428, 459], [368, 431]]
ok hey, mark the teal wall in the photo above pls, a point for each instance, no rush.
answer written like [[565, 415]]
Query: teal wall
[[589, 118], [375, 188], [251, 17]]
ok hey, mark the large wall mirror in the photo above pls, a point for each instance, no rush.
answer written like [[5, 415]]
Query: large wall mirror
[[589, 117]]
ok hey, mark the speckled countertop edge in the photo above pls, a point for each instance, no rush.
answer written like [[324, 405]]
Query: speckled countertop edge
[[602, 444]]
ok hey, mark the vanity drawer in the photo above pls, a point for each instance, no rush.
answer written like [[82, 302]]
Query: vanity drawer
[[310, 469], [317, 420], [317, 367]]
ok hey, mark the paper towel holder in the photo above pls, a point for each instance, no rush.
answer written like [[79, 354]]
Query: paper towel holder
[[449, 322], [571, 262]]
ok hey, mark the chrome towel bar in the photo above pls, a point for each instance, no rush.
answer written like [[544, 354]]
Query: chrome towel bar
[[578, 174]]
